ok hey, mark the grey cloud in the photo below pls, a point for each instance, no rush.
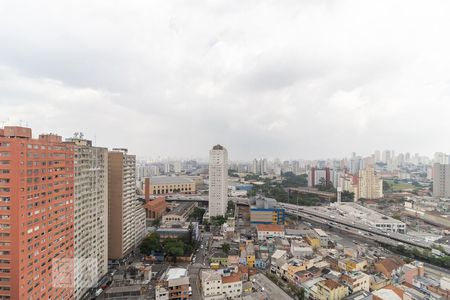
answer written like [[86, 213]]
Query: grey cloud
[[267, 78]]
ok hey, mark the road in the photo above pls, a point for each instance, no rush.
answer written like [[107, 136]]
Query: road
[[200, 261]]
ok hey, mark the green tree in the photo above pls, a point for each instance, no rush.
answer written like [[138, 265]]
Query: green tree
[[230, 208], [156, 222], [218, 220], [197, 214], [292, 180], [387, 187], [174, 248], [226, 248], [151, 244], [347, 196]]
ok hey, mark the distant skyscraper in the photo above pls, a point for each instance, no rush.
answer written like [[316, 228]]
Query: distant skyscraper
[[441, 180], [370, 184], [218, 181], [177, 167], [91, 214], [125, 213], [377, 156], [36, 215]]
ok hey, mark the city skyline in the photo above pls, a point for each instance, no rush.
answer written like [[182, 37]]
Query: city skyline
[[297, 79]]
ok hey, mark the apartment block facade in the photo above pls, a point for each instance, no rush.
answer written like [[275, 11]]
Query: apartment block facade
[[218, 181], [36, 215], [126, 215], [91, 214], [441, 180]]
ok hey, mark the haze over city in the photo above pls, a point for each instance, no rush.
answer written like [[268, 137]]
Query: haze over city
[[288, 79]]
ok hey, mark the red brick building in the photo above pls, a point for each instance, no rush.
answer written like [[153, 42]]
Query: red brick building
[[36, 215], [156, 208]]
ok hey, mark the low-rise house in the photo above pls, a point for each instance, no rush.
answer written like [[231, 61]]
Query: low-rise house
[[211, 283], [233, 260], [356, 281], [390, 267], [353, 264], [232, 286], [302, 276], [361, 295], [313, 240], [309, 287], [269, 231], [219, 257], [243, 271], [250, 255], [260, 261], [331, 290], [411, 270], [378, 281], [300, 249], [316, 272], [294, 265], [422, 283], [174, 284], [389, 292], [322, 236]]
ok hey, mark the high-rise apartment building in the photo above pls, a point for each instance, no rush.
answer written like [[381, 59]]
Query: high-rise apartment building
[[370, 184], [126, 216], [91, 214], [441, 180], [218, 181], [36, 215]]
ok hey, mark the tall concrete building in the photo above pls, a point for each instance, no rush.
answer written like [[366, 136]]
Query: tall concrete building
[[125, 212], [91, 214], [218, 181], [36, 215], [370, 184], [441, 180]]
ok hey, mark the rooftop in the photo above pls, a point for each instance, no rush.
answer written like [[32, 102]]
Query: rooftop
[[261, 282], [175, 273], [270, 227], [156, 180], [209, 275], [218, 147], [279, 254], [331, 284], [320, 232], [181, 209], [232, 278]]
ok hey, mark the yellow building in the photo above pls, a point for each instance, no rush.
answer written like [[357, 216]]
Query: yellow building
[[313, 241], [160, 185], [331, 290], [250, 249], [352, 265], [294, 266]]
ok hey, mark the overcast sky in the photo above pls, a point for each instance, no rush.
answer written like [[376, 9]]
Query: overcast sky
[[281, 78]]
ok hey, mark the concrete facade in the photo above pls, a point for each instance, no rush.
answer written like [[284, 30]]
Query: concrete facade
[[91, 214], [218, 181], [36, 215]]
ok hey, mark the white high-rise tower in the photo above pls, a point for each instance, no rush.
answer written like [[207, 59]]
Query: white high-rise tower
[[218, 181]]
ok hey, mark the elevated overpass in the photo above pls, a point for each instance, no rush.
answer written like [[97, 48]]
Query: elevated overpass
[[353, 226]]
